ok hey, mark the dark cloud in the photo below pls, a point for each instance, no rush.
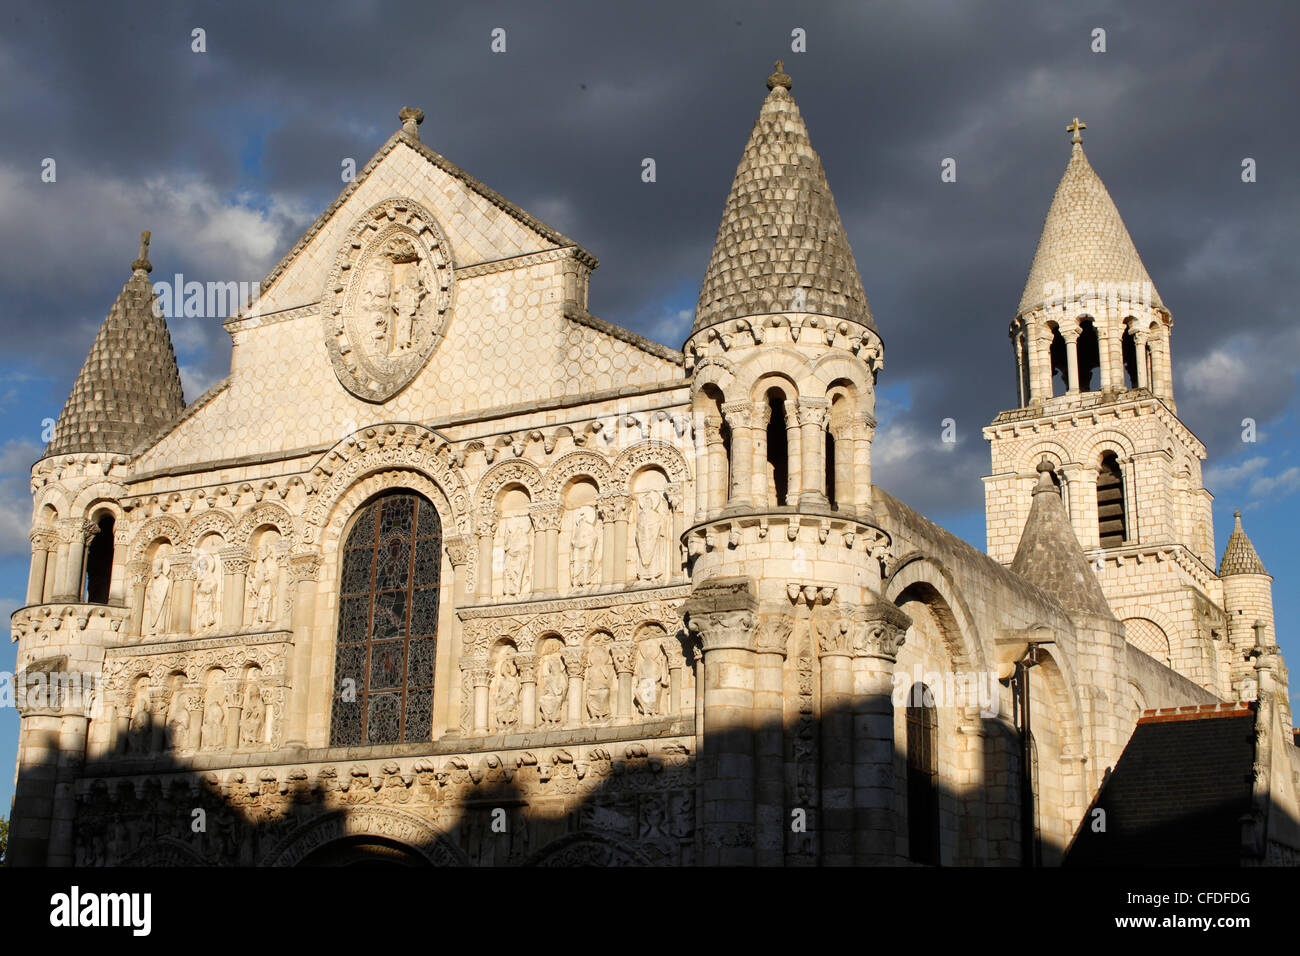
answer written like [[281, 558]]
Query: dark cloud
[[247, 139]]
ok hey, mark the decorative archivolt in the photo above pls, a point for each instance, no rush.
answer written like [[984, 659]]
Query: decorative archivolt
[[413, 449], [397, 478], [647, 453], [516, 471], [1053, 451], [713, 370], [833, 367], [266, 513], [578, 464], [1105, 441], [161, 526], [210, 522], [960, 635], [105, 494]]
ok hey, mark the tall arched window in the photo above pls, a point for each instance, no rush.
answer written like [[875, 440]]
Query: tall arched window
[[388, 624], [99, 562], [922, 776], [1110, 502], [778, 448], [1060, 364], [1089, 352]]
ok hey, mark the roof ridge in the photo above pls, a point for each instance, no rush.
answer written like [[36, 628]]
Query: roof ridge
[[1234, 708]]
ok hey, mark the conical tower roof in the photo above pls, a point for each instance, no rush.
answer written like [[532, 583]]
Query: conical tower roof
[[780, 229], [129, 388], [1049, 555], [1084, 239], [1240, 557]]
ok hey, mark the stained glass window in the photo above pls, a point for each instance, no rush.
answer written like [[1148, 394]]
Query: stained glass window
[[388, 624]]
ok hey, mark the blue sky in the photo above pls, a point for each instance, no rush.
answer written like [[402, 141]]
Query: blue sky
[[228, 154]]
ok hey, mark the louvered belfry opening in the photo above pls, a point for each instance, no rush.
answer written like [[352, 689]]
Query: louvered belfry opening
[[1110, 502]]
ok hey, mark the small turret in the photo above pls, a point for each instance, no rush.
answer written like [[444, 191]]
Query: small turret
[[1247, 601]]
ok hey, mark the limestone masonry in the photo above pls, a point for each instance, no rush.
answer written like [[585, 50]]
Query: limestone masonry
[[449, 570]]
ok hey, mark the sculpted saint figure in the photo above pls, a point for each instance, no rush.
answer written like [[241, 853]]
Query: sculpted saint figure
[[214, 721], [406, 303], [555, 686], [505, 691], [252, 723], [585, 545], [155, 599], [519, 549], [139, 726], [373, 307], [650, 680], [207, 592], [600, 683], [268, 571], [652, 528], [178, 719]]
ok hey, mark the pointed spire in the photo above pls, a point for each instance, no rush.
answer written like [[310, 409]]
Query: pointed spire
[[1240, 557], [129, 388], [781, 246], [1084, 239], [1049, 555]]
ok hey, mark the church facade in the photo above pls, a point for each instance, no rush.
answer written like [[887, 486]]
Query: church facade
[[449, 570]]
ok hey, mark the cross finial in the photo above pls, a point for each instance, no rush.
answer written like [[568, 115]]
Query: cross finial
[[142, 263], [1077, 128]]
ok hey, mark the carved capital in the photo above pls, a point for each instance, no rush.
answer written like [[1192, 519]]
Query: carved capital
[[879, 630], [813, 411], [480, 675], [613, 507], [458, 548], [713, 429], [623, 655], [547, 515], [738, 414], [182, 567], [526, 662], [575, 660], [721, 612], [833, 633], [304, 567], [773, 634], [44, 539]]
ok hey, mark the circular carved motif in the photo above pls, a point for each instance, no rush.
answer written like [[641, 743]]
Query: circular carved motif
[[386, 302]]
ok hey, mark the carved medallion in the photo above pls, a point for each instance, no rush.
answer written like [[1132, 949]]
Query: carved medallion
[[386, 302]]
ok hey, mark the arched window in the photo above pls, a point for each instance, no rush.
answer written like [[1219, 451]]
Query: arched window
[[778, 449], [922, 776], [1110, 502], [99, 561], [1128, 355], [388, 624], [1089, 351], [1060, 364]]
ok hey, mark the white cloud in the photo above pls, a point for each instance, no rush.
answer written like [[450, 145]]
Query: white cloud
[[1229, 476], [1276, 486], [16, 457]]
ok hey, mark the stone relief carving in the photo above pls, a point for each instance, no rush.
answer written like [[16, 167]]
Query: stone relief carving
[[518, 548], [505, 688], [157, 599], [585, 546], [600, 680], [653, 527], [208, 588], [553, 689], [650, 679], [386, 301]]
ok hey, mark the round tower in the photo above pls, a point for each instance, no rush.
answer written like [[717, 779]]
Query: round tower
[[1247, 601], [783, 358]]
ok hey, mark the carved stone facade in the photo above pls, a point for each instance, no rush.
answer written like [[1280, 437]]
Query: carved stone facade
[[450, 571]]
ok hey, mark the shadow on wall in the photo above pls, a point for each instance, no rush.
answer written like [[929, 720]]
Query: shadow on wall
[[616, 803]]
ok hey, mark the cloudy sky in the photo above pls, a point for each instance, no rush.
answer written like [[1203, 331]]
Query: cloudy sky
[[227, 154]]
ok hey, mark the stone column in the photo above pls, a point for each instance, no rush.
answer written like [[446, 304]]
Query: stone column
[[876, 640], [546, 551], [864, 432], [1022, 383], [623, 653], [574, 660], [527, 664], [739, 492], [676, 662], [74, 533], [721, 613], [771, 643], [700, 437], [303, 570], [760, 492], [1071, 336], [614, 509], [159, 698], [480, 676], [794, 454], [1105, 350], [835, 653], [812, 424], [1041, 362], [42, 545], [676, 502], [72, 751], [1140, 352], [234, 566], [182, 572], [846, 493], [51, 569], [194, 706], [233, 690], [717, 461], [487, 533]]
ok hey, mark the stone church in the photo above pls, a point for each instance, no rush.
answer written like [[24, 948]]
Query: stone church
[[448, 570]]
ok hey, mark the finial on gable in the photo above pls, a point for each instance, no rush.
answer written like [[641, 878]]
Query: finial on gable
[[779, 78], [411, 118], [142, 264]]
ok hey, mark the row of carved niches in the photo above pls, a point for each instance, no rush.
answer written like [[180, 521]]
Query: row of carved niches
[[815, 537], [599, 682], [586, 540], [629, 799], [215, 588], [190, 701]]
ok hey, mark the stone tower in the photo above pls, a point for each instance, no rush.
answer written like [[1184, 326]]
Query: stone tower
[[1248, 601], [128, 391], [1090, 341], [785, 548]]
